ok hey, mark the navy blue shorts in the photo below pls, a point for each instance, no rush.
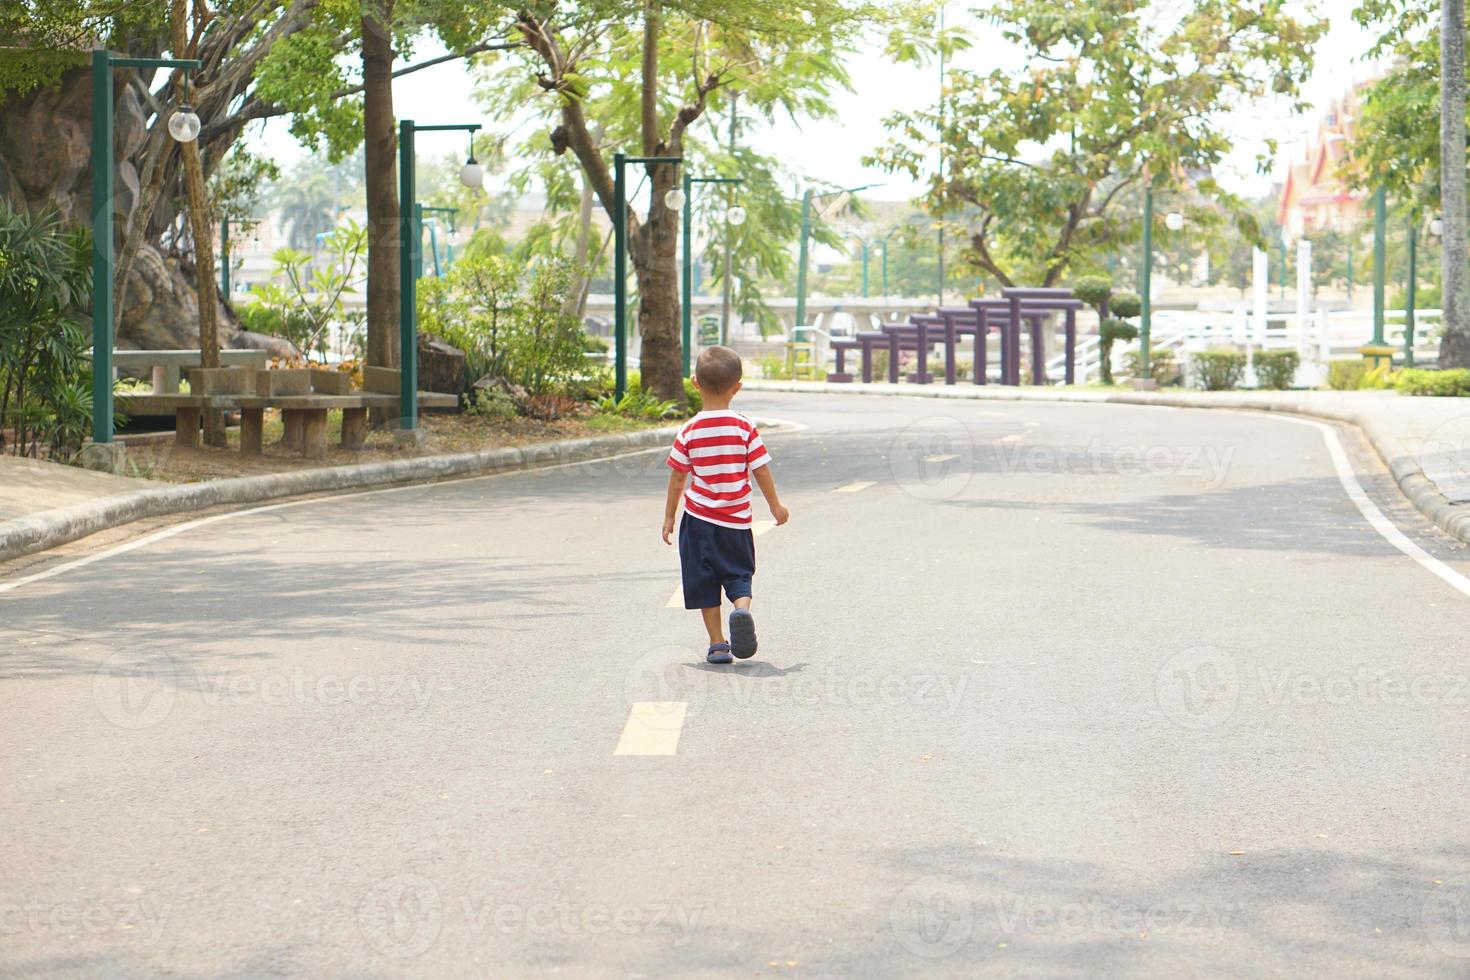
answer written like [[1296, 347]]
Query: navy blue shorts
[[713, 557]]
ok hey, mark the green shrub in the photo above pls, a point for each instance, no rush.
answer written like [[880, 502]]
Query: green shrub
[[492, 403], [45, 372], [693, 400], [1219, 370], [1109, 331], [1161, 366], [1094, 291], [640, 404], [1346, 375], [1125, 305], [1277, 368], [1451, 383]]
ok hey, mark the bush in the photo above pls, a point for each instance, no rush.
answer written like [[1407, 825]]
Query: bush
[[1219, 370], [1451, 383], [45, 376], [693, 400], [1094, 291], [1161, 366], [1125, 305], [1346, 375], [1277, 368], [492, 403], [1108, 332]]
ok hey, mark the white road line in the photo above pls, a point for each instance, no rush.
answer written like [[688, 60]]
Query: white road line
[[1373, 515], [653, 728], [761, 527], [854, 487], [941, 458], [1012, 438], [676, 601]]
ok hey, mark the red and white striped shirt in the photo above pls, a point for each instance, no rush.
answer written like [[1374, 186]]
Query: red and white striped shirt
[[720, 449]]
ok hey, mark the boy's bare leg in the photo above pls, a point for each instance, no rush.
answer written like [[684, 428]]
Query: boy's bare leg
[[712, 625], [743, 602]]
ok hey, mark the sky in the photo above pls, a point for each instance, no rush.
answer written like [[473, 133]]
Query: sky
[[832, 150]]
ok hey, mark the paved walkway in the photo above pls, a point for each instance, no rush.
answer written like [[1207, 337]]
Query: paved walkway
[[1044, 690], [29, 486]]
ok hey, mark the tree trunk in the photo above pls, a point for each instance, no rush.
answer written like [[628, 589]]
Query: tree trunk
[[380, 154], [1454, 347], [199, 223], [655, 265]]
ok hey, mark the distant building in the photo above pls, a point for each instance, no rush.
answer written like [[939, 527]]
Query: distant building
[[1314, 198]]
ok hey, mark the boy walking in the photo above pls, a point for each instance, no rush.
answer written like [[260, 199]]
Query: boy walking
[[721, 451]]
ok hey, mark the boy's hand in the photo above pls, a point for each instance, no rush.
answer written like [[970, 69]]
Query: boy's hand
[[780, 513], [668, 530]]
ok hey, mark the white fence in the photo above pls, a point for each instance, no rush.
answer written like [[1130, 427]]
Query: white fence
[[1319, 337]]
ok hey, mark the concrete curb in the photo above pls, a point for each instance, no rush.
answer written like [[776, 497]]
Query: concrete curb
[[1420, 490], [48, 529]]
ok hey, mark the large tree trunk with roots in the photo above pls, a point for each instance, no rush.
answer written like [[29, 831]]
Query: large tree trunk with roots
[[380, 153], [1454, 345], [45, 162]]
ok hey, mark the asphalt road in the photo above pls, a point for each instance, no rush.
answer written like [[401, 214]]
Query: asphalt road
[[1044, 690]]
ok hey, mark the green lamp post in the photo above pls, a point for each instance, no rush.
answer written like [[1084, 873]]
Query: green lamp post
[[683, 201], [183, 126], [620, 265], [862, 244], [410, 256], [433, 239]]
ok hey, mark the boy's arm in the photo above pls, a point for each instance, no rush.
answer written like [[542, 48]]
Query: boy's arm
[[671, 504], [767, 483]]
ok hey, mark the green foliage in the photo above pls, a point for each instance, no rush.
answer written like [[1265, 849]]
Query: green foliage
[[1037, 156], [640, 403], [1219, 370], [1110, 331], [45, 377], [512, 324], [1094, 291], [492, 403], [1126, 305], [1346, 375], [1277, 368], [305, 306], [1161, 366], [1450, 383]]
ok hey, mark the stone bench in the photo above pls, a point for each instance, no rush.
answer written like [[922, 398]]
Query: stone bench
[[168, 366], [304, 417]]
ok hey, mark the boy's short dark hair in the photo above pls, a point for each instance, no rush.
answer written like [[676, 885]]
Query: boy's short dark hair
[[718, 369]]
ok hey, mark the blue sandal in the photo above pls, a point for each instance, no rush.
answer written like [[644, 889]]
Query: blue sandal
[[742, 634], [719, 653]]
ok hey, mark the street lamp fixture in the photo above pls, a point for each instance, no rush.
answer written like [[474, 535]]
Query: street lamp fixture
[[1174, 221], [1436, 226], [805, 245], [736, 216], [183, 125], [103, 172], [675, 199], [472, 175]]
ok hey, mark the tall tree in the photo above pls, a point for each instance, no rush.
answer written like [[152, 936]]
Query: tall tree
[[665, 60], [1106, 95]]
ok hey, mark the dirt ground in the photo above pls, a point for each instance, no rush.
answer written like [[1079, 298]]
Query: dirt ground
[[162, 460]]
